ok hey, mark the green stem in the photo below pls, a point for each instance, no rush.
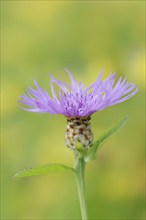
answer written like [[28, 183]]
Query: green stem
[[79, 169]]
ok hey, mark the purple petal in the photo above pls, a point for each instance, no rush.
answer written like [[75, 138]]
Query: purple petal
[[78, 100]]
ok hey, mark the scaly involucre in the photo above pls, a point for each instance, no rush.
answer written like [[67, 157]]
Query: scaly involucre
[[76, 100]]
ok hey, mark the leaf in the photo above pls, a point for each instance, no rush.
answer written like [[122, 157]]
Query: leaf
[[91, 153], [45, 169]]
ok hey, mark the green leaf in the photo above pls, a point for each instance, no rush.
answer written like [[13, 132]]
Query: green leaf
[[45, 169], [91, 153]]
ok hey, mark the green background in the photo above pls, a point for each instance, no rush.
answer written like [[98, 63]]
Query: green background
[[41, 37]]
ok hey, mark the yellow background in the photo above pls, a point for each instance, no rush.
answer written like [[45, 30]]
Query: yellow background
[[41, 37]]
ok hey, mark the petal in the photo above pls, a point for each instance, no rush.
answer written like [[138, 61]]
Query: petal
[[73, 81], [96, 84], [60, 84]]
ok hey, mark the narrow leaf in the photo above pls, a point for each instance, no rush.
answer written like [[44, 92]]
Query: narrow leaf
[[91, 154], [45, 169]]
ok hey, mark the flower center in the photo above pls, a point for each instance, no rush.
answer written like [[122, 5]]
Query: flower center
[[74, 104]]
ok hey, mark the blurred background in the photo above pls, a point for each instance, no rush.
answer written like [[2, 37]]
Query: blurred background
[[41, 37]]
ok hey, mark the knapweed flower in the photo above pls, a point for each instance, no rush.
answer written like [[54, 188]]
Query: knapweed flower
[[78, 103]]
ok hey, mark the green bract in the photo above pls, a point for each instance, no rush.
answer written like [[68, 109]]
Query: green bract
[[91, 153]]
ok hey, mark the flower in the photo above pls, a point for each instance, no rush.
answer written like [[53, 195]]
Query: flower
[[78, 103], [76, 100]]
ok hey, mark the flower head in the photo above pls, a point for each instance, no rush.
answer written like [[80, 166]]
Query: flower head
[[76, 100]]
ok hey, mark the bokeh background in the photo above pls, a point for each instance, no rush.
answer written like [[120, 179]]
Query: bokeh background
[[41, 37]]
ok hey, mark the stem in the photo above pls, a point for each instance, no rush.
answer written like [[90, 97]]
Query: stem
[[79, 168]]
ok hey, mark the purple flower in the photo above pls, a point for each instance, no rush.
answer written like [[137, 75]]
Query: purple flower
[[77, 100]]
